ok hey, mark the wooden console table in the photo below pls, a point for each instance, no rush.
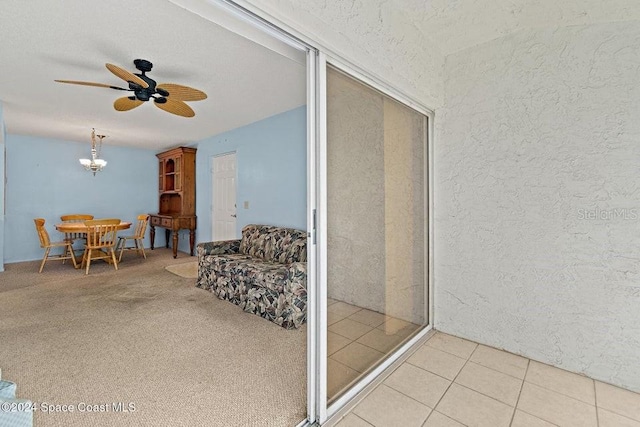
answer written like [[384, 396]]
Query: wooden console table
[[175, 224]]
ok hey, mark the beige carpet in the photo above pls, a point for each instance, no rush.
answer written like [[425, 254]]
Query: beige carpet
[[145, 336], [187, 270]]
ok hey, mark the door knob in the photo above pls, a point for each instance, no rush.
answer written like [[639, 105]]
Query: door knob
[[233, 215]]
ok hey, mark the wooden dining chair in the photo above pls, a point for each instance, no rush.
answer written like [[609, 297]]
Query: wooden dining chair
[[47, 244], [72, 237], [137, 237], [101, 241]]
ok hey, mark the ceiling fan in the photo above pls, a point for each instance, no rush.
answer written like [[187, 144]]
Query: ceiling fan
[[169, 97]]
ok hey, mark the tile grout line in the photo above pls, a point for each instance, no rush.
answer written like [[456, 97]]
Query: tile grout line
[[495, 370], [351, 341], [402, 340], [364, 345], [467, 360], [331, 354], [349, 338], [362, 323], [342, 318], [407, 362], [451, 383], [561, 393], [538, 417], [346, 386], [426, 370], [399, 391], [386, 353], [515, 407], [346, 366], [620, 415], [595, 399], [564, 371], [404, 394], [485, 395], [523, 381], [355, 415], [471, 389], [464, 386], [453, 354]]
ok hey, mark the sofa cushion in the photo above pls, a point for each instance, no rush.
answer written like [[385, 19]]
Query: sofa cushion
[[274, 244], [229, 264], [254, 238], [265, 275], [287, 311], [286, 245]]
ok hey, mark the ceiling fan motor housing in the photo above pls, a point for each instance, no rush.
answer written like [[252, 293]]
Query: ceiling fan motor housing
[[144, 94], [143, 65]]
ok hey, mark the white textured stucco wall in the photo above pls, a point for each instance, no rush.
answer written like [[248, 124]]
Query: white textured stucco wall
[[375, 35], [537, 198], [355, 193], [404, 213], [375, 201], [540, 130]]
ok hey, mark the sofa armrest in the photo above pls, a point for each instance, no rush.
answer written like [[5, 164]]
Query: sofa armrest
[[221, 247]]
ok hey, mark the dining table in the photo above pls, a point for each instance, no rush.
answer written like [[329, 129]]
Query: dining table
[[80, 227]]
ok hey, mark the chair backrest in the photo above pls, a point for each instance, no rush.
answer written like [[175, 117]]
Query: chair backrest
[[141, 226], [42, 232], [101, 233], [76, 217]]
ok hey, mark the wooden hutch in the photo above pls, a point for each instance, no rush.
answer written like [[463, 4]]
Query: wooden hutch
[[177, 188]]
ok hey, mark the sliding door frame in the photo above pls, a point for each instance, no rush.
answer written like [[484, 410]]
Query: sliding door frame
[[325, 411], [318, 58]]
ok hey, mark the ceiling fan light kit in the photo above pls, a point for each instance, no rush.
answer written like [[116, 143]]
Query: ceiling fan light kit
[[95, 164], [169, 97]]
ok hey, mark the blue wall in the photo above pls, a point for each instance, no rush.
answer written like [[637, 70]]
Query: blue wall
[[271, 157], [45, 179]]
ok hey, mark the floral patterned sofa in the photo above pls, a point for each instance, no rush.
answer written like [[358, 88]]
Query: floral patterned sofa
[[264, 272]]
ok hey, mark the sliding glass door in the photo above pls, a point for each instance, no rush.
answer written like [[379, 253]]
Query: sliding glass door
[[367, 217], [376, 229]]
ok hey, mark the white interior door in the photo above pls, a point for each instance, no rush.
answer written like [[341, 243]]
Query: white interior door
[[223, 210]]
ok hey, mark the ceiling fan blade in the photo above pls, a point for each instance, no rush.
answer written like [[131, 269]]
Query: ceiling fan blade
[[176, 107], [126, 104], [75, 82], [182, 93], [126, 76]]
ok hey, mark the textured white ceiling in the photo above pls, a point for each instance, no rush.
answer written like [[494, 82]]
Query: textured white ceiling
[[43, 40], [454, 25]]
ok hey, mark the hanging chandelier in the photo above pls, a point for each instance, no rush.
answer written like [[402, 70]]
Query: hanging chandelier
[[95, 164]]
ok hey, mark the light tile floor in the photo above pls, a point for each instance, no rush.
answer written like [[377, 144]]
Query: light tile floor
[[451, 382], [357, 340]]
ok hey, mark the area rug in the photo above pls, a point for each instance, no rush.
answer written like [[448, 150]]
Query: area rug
[[188, 270]]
